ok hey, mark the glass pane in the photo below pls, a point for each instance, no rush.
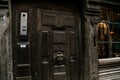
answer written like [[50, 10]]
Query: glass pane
[[109, 33], [115, 50], [114, 15], [103, 32], [115, 32], [103, 50]]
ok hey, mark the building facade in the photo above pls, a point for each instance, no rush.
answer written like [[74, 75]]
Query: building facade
[[51, 40]]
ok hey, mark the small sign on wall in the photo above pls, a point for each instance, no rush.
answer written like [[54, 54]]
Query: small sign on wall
[[23, 23]]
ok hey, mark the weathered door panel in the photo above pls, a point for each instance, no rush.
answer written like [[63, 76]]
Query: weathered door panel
[[49, 50], [21, 44], [58, 45]]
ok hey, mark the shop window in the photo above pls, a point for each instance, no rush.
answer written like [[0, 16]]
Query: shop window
[[109, 34]]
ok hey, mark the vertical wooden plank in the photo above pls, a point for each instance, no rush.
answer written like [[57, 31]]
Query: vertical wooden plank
[[22, 66], [67, 48], [45, 70], [14, 35], [44, 44], [35, 45], [39, 21], [44, 54], [74, 70], [51, 52]]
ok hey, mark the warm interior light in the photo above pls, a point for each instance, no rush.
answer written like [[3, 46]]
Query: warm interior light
[[101, 24], [112, 32]]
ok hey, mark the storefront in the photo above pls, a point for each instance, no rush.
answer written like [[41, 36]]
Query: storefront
[[108, 33], [109, 41]]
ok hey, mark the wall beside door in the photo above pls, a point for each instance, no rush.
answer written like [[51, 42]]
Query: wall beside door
[[5, 56], [92, 15]]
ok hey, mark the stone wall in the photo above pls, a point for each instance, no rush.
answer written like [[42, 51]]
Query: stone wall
[[92, 16], [91, 57], [5, 56]]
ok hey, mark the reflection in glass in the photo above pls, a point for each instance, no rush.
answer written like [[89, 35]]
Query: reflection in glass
[[115, 50], [114, 15], [109, 33], [103, 50], [102, 31], [115, 32]]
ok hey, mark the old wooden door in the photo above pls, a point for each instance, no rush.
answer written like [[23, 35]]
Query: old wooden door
[[48, 48]]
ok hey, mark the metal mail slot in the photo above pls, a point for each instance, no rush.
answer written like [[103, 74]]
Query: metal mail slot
[[23, 23]]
